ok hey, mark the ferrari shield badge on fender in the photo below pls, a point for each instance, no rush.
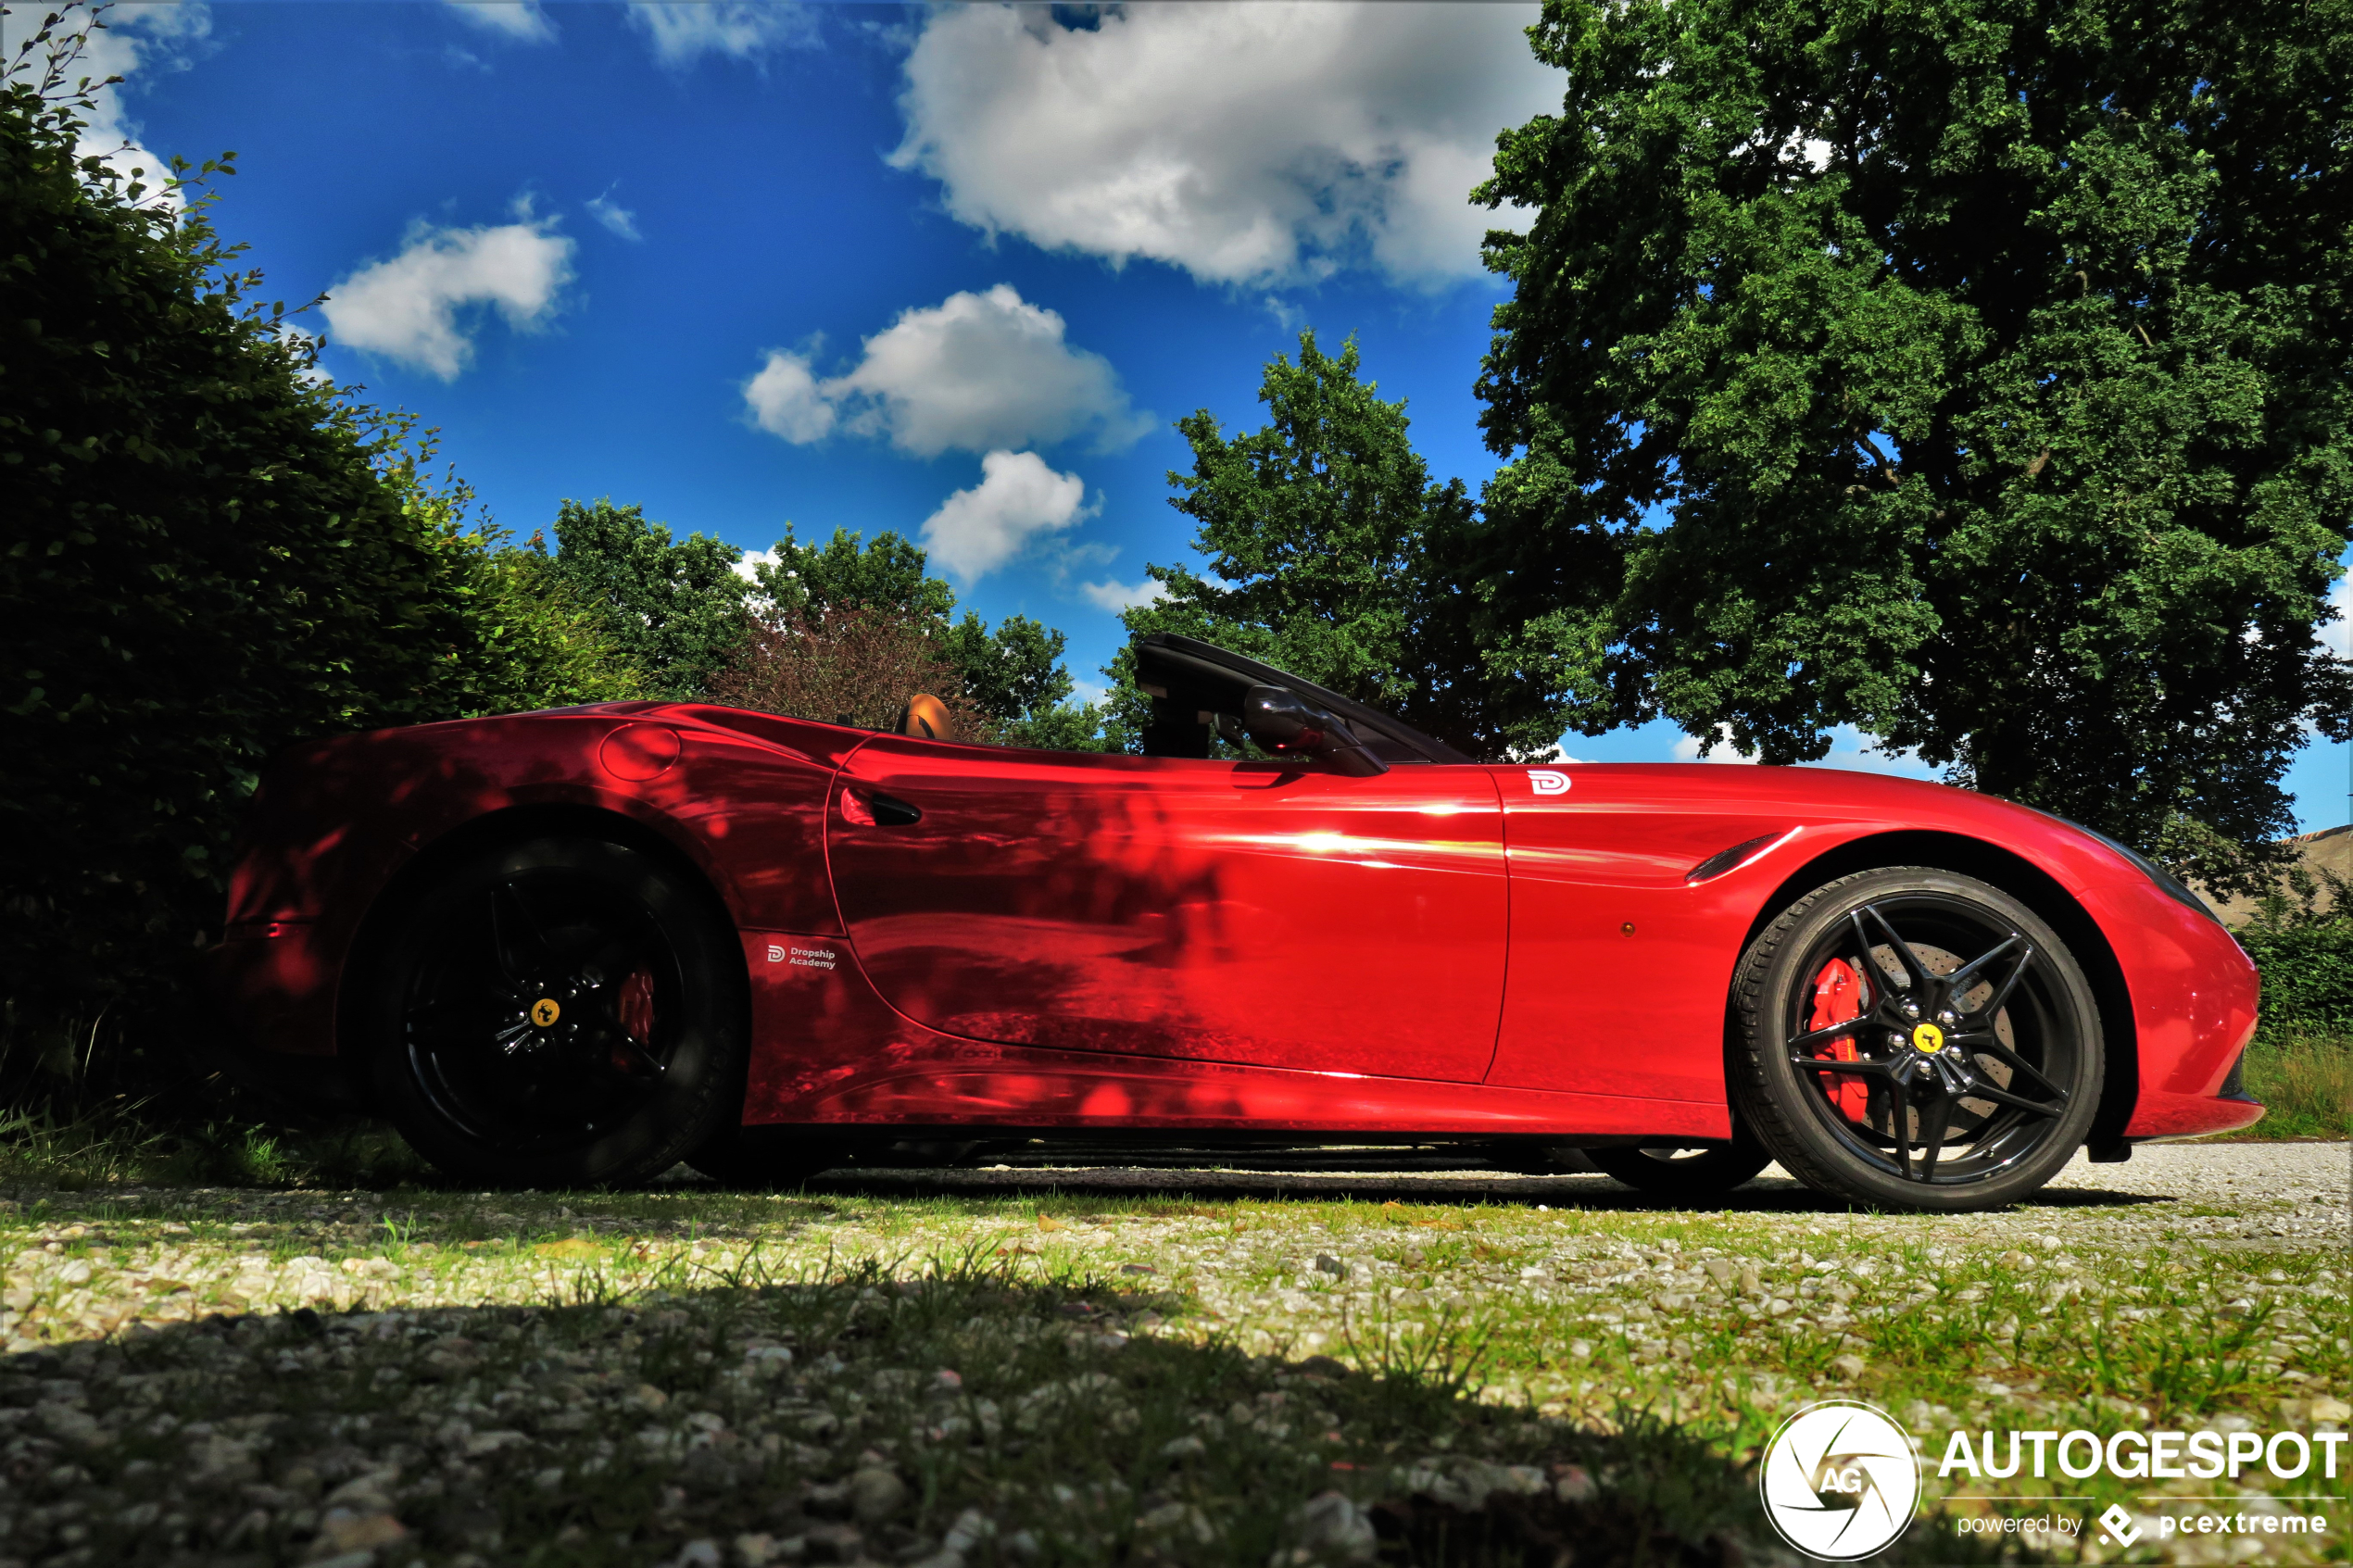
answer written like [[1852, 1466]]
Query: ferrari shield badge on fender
[[1545, 780]]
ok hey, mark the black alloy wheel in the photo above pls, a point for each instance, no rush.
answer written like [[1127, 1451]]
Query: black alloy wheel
[[561, 1012], [1685, 1169], [1916, 1038]]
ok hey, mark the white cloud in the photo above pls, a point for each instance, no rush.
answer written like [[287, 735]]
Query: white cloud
[[751, 558], [2337, 635], [1247, 143], [613, 215], [137, 39], [1018, 498], [787, 399], [520, 20], [1851, 751], [1116, 596], [1687, 749], [419, 307], [978, 373], [740, 29], [1087, 692]]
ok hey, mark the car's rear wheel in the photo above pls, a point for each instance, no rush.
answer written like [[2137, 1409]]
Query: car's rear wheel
[[1684, 1169], [555, 1013], [1916, 1038]]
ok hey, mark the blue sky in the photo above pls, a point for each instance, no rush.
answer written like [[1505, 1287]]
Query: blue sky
[[949, 272]]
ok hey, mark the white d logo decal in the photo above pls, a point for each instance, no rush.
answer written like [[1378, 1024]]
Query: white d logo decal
[[1840, 1480], [1544, 781]]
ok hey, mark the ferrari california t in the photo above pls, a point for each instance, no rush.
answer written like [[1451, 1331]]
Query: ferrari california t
[[573, 948]]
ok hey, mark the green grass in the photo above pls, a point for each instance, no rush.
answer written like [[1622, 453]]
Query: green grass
[[1591, 1343], [117, 1144], [2306, 1084]]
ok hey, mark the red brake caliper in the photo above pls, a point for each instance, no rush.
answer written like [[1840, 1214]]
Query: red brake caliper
[[1838, 996], [636, 1014]]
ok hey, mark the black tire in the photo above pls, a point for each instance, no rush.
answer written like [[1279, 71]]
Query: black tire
[[562, 1013], [1970, 1069], [1684, 1169]]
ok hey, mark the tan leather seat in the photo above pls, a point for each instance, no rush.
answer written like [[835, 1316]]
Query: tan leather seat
[[926, 718]]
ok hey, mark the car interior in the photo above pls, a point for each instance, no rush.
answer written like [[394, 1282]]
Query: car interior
[[1202, 695]]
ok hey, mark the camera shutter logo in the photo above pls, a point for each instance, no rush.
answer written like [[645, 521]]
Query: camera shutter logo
[[1840, 1481]]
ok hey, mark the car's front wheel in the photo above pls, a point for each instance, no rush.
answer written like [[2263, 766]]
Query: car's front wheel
[[561, 1012], [1915, 1038]]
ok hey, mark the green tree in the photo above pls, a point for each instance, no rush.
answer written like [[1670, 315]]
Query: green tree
[[1969, 371], [553, 644], [207, 553], [1013, 675], [1334, 555], [887, 574], [674, 609]]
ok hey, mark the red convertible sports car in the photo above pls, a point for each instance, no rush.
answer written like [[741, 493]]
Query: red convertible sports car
[[572, 947]]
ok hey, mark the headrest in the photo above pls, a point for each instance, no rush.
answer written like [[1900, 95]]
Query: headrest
[[926, 718]]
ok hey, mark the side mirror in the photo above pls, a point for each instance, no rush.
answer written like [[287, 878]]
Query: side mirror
[[1288, 726]]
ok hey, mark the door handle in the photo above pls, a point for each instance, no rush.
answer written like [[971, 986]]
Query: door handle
[[871, 808]]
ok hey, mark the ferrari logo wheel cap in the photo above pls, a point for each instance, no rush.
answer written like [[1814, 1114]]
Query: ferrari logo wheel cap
[[1927, 1038], [544, 1011]]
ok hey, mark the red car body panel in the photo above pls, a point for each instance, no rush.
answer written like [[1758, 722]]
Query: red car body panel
[[1068, 940], [1170, 906]]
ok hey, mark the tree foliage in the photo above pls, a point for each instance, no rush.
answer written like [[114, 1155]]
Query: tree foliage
[[1332, 554], [1011, 678], [2301, 939], [851, 664], [553, 643], [210, 552], [674, 609], [1969, 371]]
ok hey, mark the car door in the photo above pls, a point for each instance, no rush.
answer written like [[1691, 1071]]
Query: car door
[[1626, 923], [1255, 913]]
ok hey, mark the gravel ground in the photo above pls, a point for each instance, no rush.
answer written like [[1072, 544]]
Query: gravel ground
[[2305, 1189], [1023, 1365]]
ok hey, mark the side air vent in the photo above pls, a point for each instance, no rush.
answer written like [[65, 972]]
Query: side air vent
[[1723, 860]]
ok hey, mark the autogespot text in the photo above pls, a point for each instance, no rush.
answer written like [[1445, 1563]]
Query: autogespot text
[[2156, 1456]]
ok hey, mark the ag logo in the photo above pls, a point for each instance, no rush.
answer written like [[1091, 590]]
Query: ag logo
[[1840, 1480], [1544, 781]]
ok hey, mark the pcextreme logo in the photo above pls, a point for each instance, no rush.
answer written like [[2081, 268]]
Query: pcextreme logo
[[1840, 1480]]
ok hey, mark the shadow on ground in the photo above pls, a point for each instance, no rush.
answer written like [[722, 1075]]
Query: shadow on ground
[[963, 1417]]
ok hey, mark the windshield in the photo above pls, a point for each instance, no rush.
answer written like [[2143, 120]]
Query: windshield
[[1196, 690]]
